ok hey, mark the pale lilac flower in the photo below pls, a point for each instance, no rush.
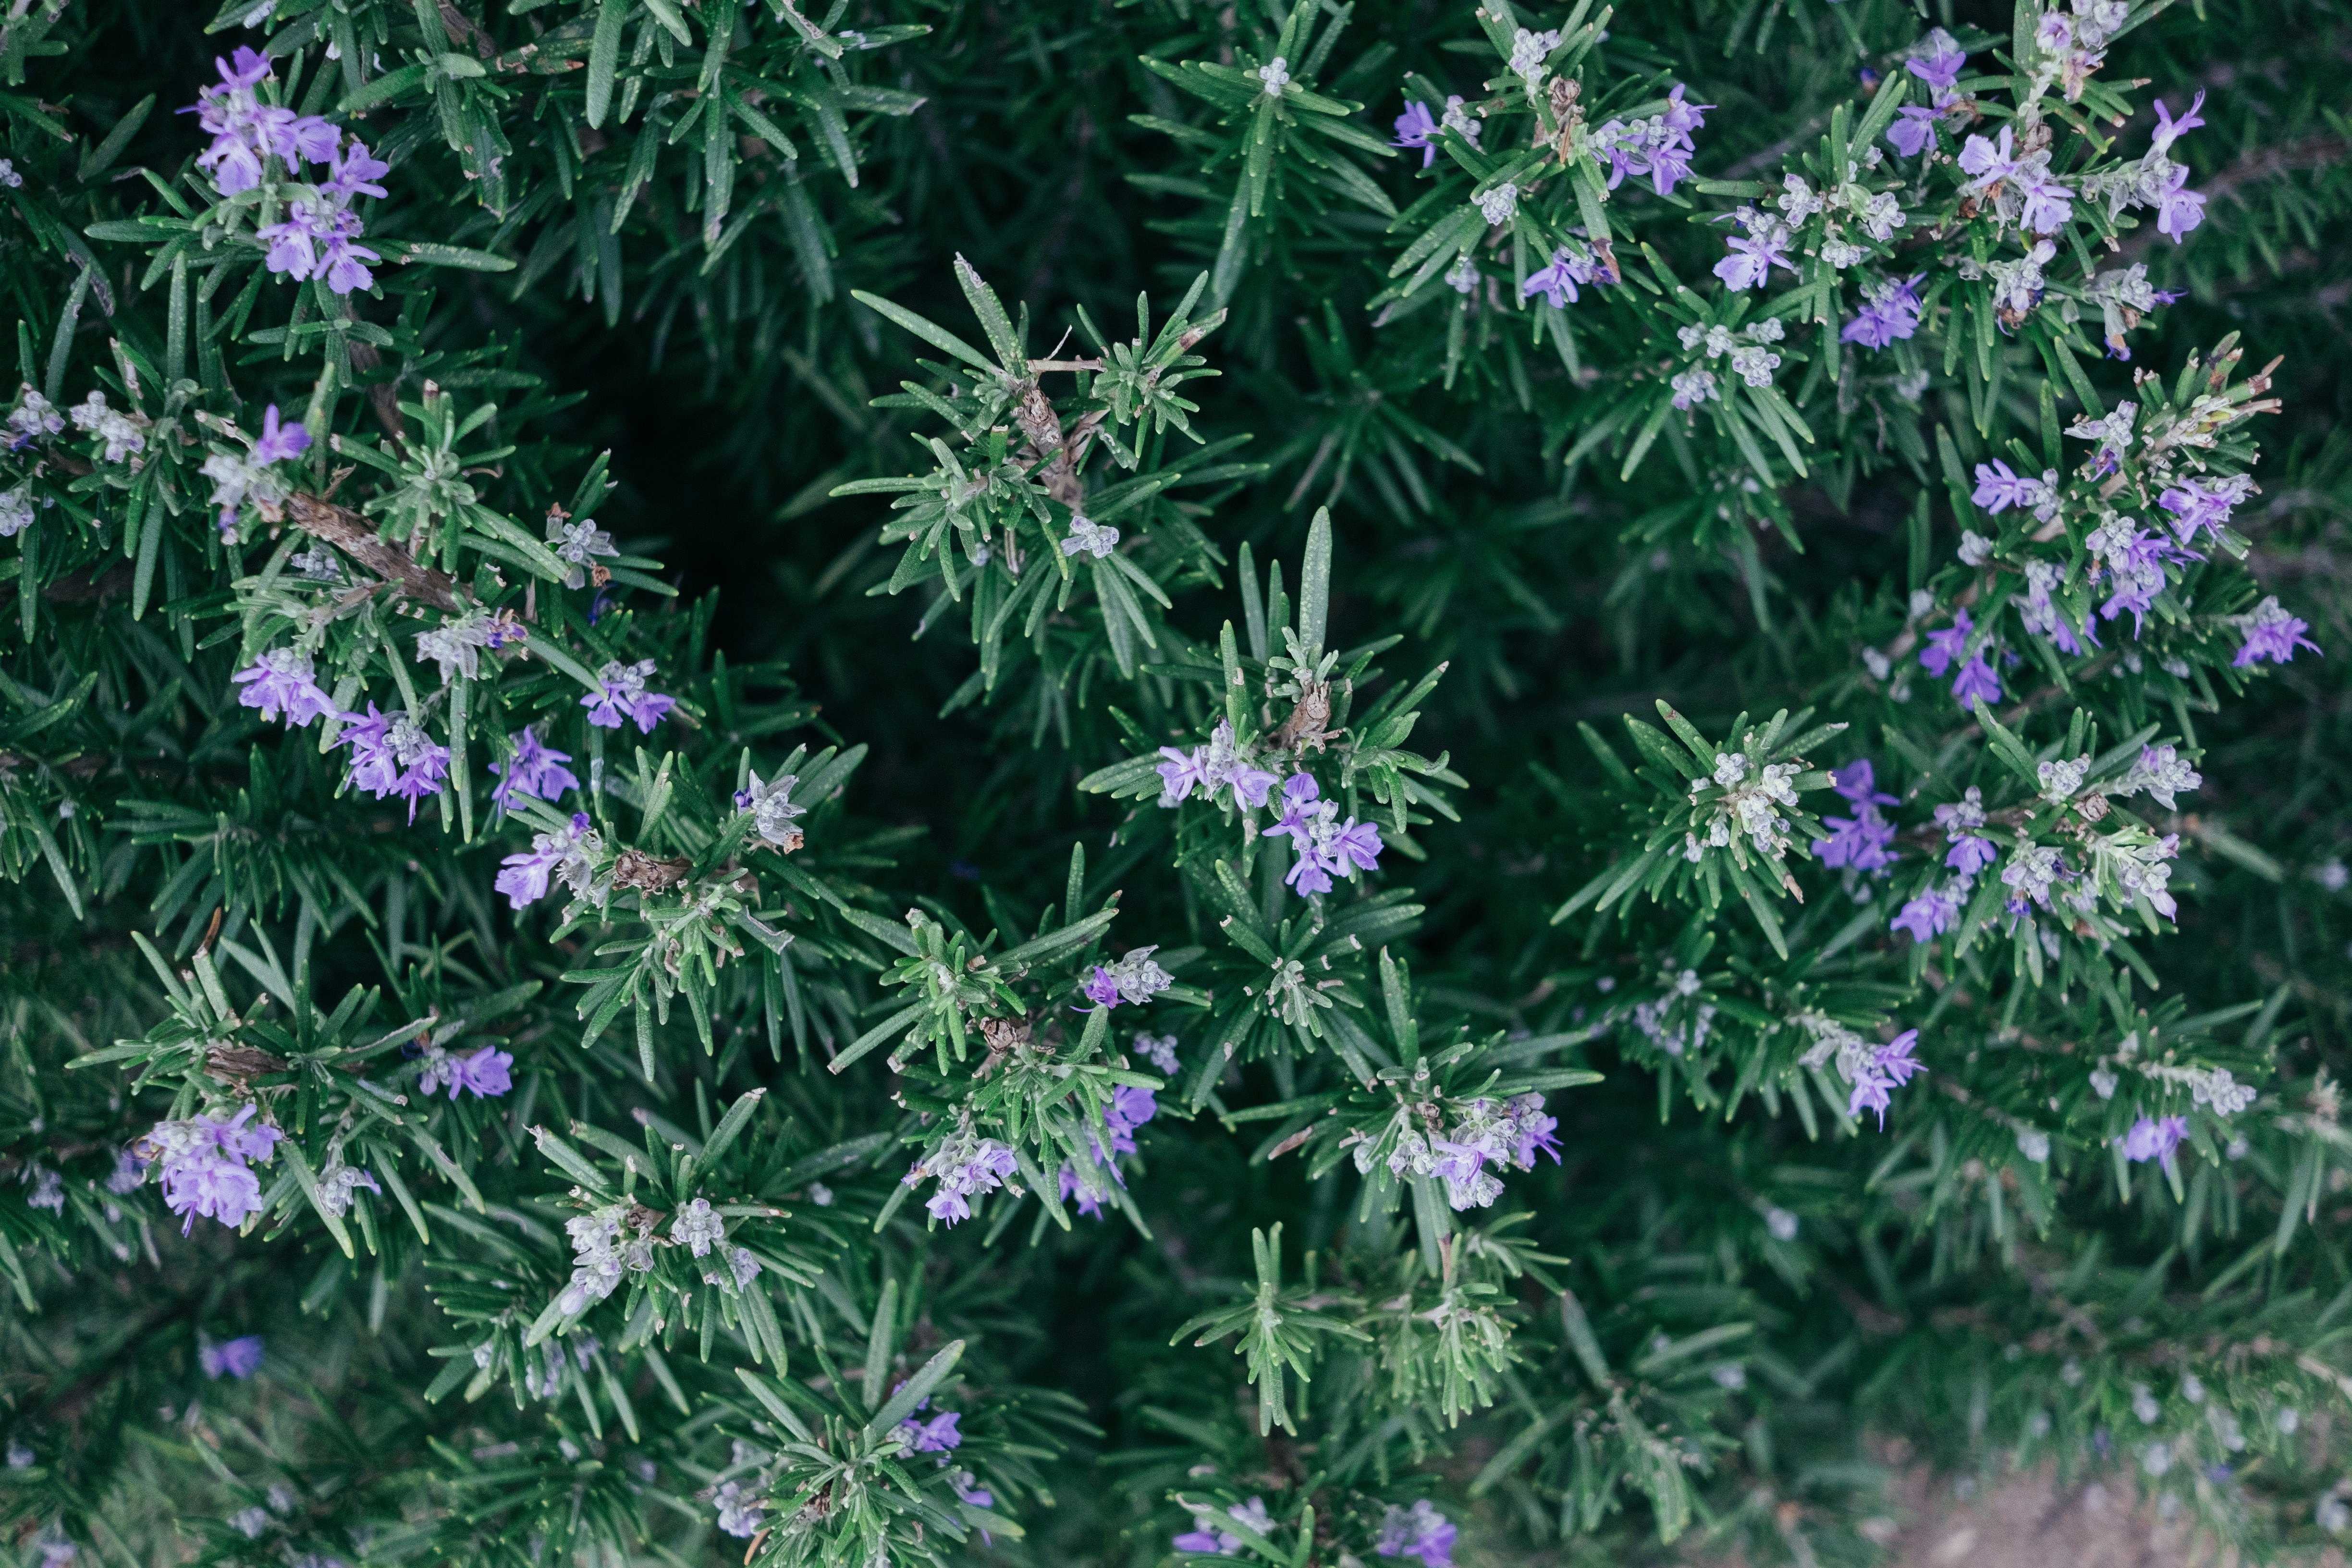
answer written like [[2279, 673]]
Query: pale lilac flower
[[1323, 845], [391, 754], [281, 680], [130, 1173], [1159, 1050], [1752, 258], [772, 811], [485, 1074], [1204, 1537], [1557, 282], [2048, 205], [1417, 128], [741, 1512], [577, 544], [967, 1489], [1533, 1131], [34, 418], [1914, 130], [535, 772], [2168, 129], [1133, 977], [936, 1435], [354, 170], [277, 442], [1999, 488], [1089, 537], [2204, 504], [339, 1183], [621, 692], [2177, 210], [232, 115], [121, 433], [239, 1358], [2157, 1140], [566, 853], [1988, 163], [1887, 1067], [49, 1188], [1659, 147], [2272, 634], [1419, 1532], [2033, 870], [204, 1165], [1890, 312], [1930, 914], [1939, 67], [1860, 841], [696, 1229], [964, 1166]]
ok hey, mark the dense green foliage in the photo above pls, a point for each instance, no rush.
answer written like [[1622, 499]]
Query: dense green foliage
[[1412, 477]]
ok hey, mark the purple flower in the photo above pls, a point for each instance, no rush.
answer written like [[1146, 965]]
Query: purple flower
[[1752, 258], [1999, 488], [1989, 163], [964, 1484], [232, 116], [1532, 1130], [1944, 646], [1420, 1531], [621, 692], [963, 1166], [936, 1435], [1557, 282], [281, 680], [2048, 205], [1659, 147], [280, 442], [1207, 1539], [2204, 504], [1928, 915], [202, 1160], [1101, 988], [1857, 782], [2168, 129], [2155, 1140], [1940, 68], [1322, 843], [536, 771], [391, 754], [2177, 210], [564, 853], [2274, 635], [1970, 854], [354, 172], [484, 1075], [342, 259], [1894, 1057], [1914, 130], [1356, 846], [1976, 683], [1890, 312], [1859, 841], [1181, 772], [1416, 127], [239, 1358]]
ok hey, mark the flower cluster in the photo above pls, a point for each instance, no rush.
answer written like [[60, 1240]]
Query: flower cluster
[[339, 1186], [568, 854], [1130, 1108], [1505, 1134], [772, 811], [600, 1256], [119, 434], [1417, 128], [621, 692], [391, 754], [1748, 805], [1958, 643], [2155, 1139], [484, 1074], [281, 680], [1558, 281], [253, 478], [456, 644], [1133, 977], [1418, 1531], [239, 1358], [1873, 1071], [319, 236], [1087, 537], [1674, 1023], [964, 1166], [697, 1228], [1889, 314], [204, 1165], [1221, 764], [1751, 361], [577, 544], [535, 772], [1324, 846], [1658, 148], [1205, 1538], [1862, 840]]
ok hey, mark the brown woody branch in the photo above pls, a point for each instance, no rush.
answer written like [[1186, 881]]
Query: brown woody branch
[[349, 533]]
